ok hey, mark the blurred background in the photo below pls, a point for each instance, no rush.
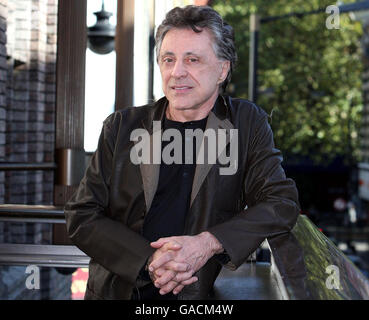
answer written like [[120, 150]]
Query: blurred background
[[66, 65], [312, 78]]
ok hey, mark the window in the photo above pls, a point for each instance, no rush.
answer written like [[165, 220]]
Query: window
[[100, 80]]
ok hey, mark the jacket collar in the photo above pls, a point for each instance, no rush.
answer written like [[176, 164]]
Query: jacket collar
[[157, 112]]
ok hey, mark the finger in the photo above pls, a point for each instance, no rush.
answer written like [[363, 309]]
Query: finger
[[183, 276], [156, 274], [160, 242], [159, 272], [189, 281], [168, 287], [160, 261], [171, 246], [167, 245], [178, 289], [163, 241], [164, 279], [175, 287], [177, 266]]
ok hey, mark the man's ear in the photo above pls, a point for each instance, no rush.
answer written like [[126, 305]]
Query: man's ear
[[225, 69]]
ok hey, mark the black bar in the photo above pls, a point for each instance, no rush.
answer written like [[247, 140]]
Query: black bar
[[12, 166]]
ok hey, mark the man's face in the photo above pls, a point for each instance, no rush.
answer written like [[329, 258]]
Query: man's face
[[191, 72]]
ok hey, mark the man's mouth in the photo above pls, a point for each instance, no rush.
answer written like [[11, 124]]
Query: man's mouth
[[181, 88]]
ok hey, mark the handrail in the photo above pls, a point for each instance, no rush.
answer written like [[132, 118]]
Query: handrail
[[310, 266], [12, 166], [43, 255], [31, 213], [64, 256]]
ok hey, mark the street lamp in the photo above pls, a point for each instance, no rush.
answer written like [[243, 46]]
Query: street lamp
[[101, 35]]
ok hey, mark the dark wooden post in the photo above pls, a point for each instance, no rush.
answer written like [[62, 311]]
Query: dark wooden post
[[70, 98], [124, 39]]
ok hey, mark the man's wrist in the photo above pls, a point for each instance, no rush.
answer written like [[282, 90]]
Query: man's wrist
[[214, 245]]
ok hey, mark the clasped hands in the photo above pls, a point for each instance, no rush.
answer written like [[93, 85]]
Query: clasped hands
[[176, 259]]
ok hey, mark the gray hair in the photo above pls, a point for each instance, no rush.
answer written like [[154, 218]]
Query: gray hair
[[197, 18]]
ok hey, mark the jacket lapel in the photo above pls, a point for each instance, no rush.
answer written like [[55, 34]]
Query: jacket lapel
[[150, 179], [150, 172], [217, 120]]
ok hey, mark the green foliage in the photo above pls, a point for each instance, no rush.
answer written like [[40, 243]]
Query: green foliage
[[309, 77]]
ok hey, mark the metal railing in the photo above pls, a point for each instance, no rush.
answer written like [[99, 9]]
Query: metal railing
[[12, 166], [42, 255], [62, 256], [31, 213], [310, 266]]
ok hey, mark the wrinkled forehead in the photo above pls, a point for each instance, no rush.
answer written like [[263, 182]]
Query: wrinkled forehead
[[182, 40]]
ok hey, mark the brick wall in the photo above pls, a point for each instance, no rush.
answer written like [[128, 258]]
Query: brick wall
[[30, 98], [3, 87], [3, 78], [28, 30]]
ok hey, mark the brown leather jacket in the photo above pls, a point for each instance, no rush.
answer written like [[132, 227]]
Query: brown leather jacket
[[105, 216]]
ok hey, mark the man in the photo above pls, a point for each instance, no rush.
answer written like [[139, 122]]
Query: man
[[163, 230]]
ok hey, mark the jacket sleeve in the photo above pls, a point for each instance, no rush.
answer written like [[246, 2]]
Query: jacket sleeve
[[271, 199], [109, 242]]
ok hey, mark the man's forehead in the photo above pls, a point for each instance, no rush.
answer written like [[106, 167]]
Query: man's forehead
[[187, 53], [187, 41]]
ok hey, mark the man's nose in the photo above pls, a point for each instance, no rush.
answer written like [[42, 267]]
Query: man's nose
[[179, 70]]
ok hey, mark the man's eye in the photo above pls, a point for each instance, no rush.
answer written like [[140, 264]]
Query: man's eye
[[167, 60], [193, 60]]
